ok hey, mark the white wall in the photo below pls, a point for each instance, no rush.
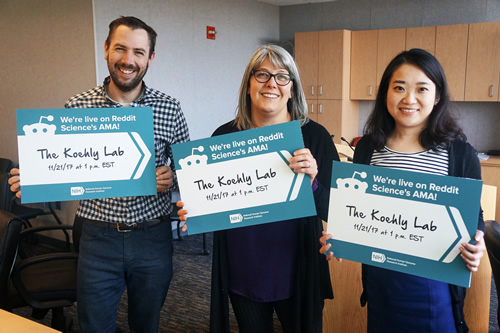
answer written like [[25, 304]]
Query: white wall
[[479, 120], [48, 55], [205, 75]]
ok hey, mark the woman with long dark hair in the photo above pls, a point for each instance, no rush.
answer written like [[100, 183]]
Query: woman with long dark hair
[[412, 128]]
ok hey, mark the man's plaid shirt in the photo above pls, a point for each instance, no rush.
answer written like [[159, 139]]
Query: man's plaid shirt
[[170, 127]]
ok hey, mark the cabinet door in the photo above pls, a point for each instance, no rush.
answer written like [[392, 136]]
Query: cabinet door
[[483, 62], [422, 38], [344, 314], [312, 109], [306, 57], [367, 69], [451, 51], [331, 62], [363, 64], [330, 116], [390, 42]]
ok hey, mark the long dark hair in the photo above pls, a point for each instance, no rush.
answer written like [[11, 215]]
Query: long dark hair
[[441, 128]]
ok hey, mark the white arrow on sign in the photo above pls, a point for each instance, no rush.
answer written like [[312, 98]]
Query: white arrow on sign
[[241, 183], [386, 223], [67, 158]]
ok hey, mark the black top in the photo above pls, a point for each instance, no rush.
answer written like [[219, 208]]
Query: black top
[[312, 276]]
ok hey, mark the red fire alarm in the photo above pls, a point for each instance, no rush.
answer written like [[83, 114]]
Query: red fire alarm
[[211, 32]]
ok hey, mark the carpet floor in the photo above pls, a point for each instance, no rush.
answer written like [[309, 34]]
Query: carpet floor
[[187, 307]]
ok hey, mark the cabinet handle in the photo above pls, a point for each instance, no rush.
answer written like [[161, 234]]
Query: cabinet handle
[[312, 108], [312, 90], [491, 90], [321, 90], [370, 90], [321, 108]]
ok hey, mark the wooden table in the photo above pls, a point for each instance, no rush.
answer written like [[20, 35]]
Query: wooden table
[[12, 323]]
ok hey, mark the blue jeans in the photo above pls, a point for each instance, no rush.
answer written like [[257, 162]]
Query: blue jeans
[[109, 262]]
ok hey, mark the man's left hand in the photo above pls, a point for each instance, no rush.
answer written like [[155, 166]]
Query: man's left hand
[[164, 178]]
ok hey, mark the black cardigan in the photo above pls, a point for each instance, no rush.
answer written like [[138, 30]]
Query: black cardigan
[[312, 282], [463, 162]]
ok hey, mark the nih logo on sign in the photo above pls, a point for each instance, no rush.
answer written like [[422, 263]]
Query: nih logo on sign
[[235, 218], [77, 190], [378, 257]]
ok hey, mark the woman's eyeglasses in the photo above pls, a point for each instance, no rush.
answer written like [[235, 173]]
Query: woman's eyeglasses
[[281, 79]]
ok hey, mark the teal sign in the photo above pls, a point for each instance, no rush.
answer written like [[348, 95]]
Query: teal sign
[[73, 154], [404, 221], [241, 179]]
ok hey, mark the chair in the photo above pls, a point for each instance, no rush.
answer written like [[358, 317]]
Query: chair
[[5, 164], [10, 231], [5, 196], [492, 240], [345, 152], [43, 282], [10, 203]]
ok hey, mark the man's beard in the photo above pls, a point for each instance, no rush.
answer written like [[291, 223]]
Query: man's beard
[[129, 85]]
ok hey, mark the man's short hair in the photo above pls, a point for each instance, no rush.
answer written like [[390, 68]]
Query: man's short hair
[[133, 23]]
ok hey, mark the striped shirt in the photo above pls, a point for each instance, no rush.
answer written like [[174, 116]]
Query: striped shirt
[[169, 127], [428, 161]]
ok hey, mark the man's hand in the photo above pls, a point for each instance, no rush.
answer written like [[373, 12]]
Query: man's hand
[[164, 178], [15, 182]]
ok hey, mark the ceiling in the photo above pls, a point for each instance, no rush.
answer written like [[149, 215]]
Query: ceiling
[[292, 2]]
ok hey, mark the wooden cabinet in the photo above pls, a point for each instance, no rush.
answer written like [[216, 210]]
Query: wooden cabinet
[[334, 59], [422, 38], [327, 112], [338, 116], [344, 313], [483, 62], [322, 64], [306, 57], [469, 54], [390, 43], [363, 64], [323, 59], [367, 69], [451, 51]]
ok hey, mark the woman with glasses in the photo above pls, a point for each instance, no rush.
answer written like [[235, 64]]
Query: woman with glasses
[[276, 266]]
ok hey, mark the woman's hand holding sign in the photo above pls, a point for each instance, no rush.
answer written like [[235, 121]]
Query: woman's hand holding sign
[[472, 254], [303, 161], [182, 214], [326, 246]]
